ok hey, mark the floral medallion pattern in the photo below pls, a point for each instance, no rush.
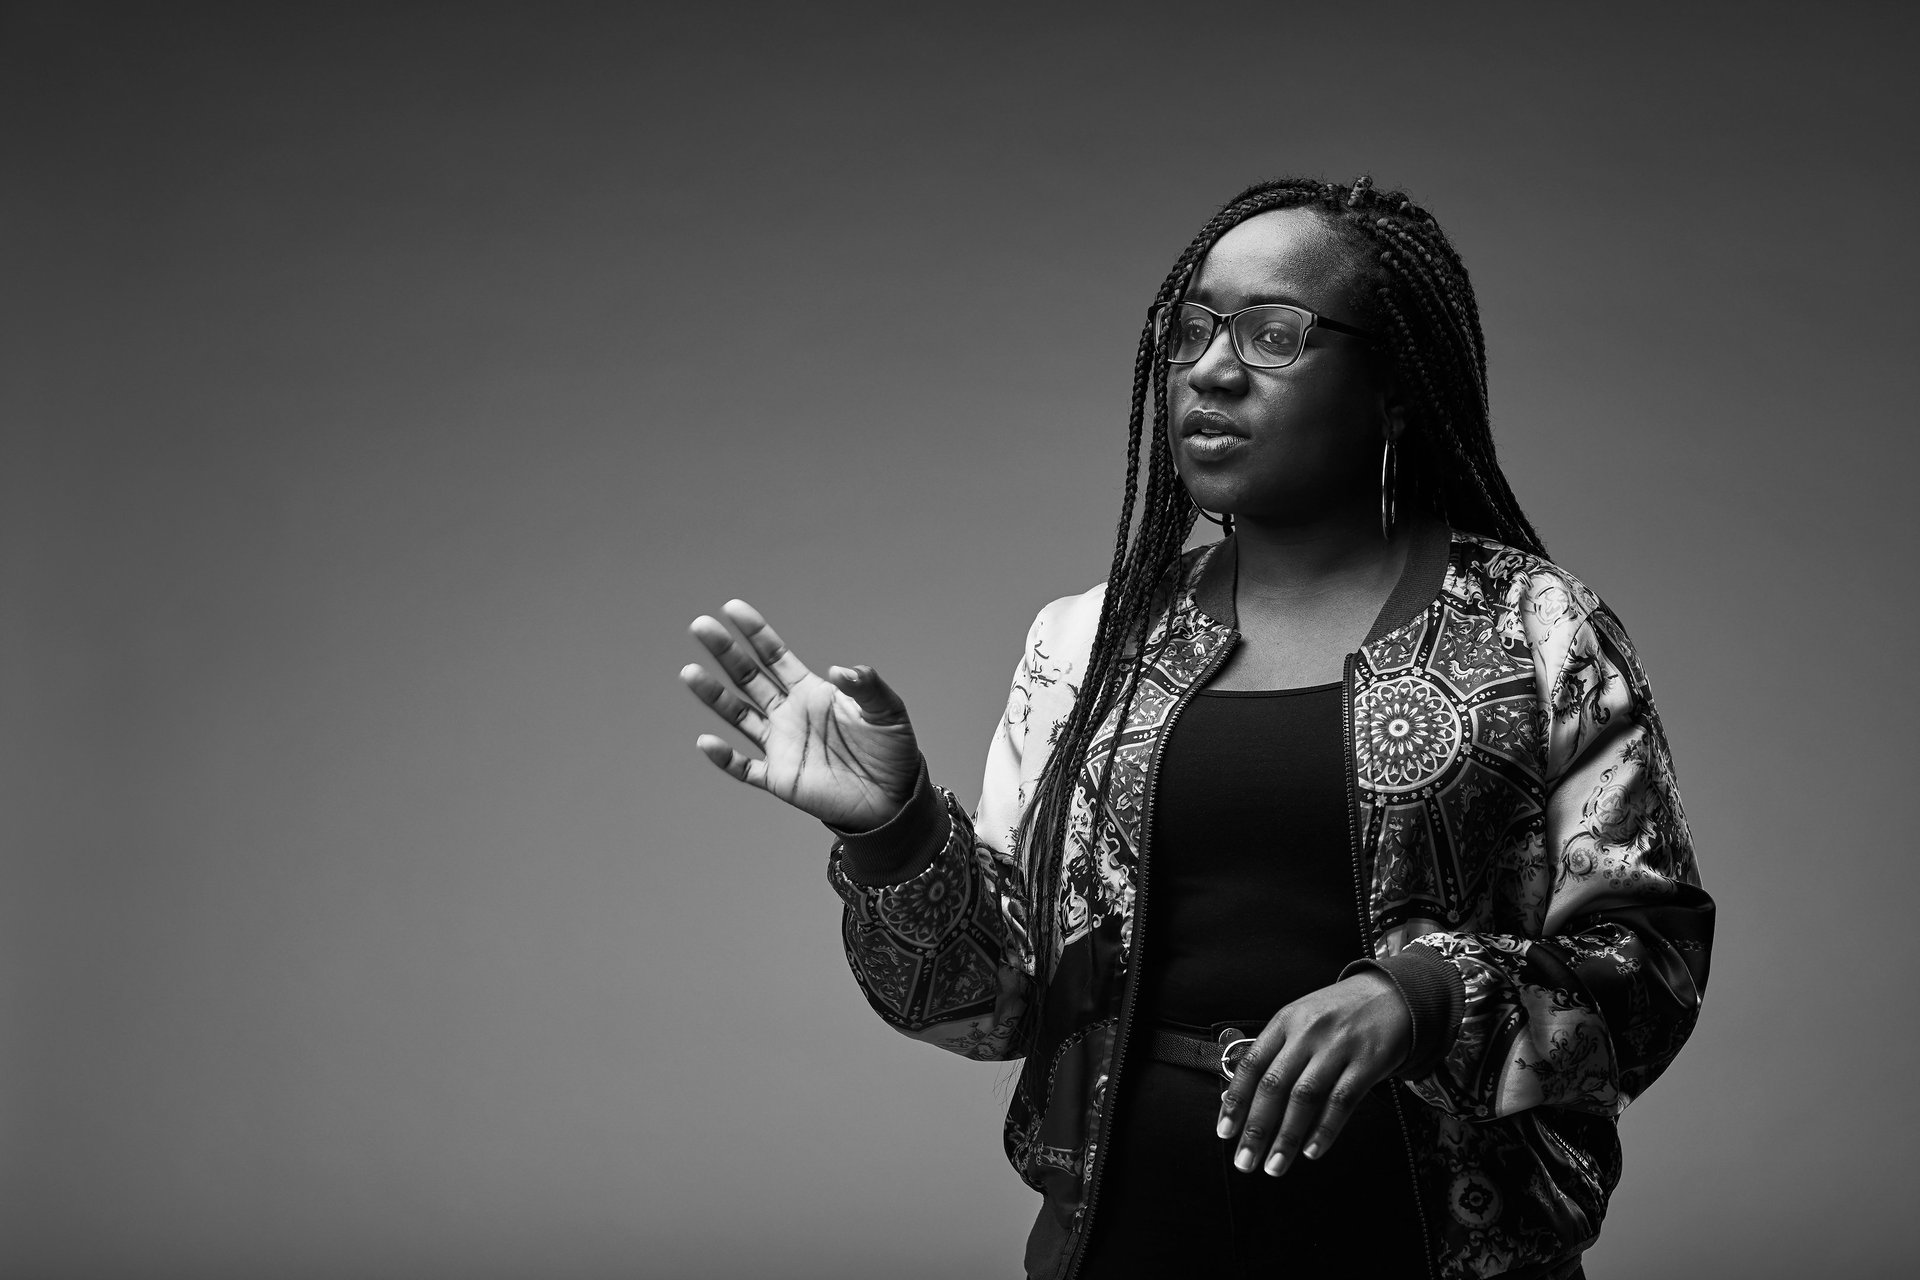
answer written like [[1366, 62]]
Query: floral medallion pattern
[[927, 907], [1405, 734], [928, 949]]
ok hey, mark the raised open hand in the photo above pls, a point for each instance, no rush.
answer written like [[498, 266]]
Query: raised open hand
[[840, 749]]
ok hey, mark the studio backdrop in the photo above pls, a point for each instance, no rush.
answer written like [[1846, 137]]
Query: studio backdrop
[[387, 387]]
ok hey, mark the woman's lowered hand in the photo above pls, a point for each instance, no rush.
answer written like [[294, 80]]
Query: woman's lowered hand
[[840, 749], [1317, 1058]]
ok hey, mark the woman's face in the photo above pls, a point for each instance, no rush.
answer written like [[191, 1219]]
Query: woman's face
[[1283, 446]]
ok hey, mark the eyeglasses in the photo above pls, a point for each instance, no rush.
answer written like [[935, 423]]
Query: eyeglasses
[[1269, 336]]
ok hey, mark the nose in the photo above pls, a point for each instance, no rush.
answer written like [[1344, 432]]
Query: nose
[[1218, 368]]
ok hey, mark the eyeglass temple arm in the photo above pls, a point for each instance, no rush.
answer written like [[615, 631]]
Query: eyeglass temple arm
[[1324, 323]]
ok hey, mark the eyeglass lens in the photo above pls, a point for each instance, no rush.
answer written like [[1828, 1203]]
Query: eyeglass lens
[[1265, 337]]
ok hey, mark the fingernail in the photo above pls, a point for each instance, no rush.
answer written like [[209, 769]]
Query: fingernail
[[1225, 1128], [1274, 1162], [1313, 1151], [1243, 1161]]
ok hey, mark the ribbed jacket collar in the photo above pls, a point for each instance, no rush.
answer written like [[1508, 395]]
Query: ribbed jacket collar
[[1420, 580]]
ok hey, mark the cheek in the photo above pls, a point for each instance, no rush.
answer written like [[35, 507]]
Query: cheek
[[1180, 398], [1315, 401], [1332, 421], [1311, 443]]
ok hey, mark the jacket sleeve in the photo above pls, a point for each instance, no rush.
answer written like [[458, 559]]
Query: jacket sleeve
[[1588, 1014], [937, 902]]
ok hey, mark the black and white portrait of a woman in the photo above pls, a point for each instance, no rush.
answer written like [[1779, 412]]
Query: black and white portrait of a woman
[[1294, 622]]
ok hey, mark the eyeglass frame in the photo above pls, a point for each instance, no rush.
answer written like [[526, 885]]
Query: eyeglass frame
[[1314, 321]]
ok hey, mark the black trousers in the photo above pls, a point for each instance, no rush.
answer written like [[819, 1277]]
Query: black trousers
[[1171, 1201]]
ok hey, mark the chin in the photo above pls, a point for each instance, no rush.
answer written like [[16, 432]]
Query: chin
[[1215, 497]]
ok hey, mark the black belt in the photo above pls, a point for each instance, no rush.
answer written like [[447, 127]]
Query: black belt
[[1219, 1056]]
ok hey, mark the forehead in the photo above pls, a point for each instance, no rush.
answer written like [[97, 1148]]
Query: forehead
[[1283, 255]]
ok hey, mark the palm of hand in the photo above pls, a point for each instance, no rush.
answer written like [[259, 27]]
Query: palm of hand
[[840, 748], [825, 758]]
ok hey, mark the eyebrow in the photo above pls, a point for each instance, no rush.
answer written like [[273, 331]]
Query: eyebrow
[[1258, 297]]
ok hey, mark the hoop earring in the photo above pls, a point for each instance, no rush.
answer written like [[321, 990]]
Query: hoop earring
[[1225, 522], [1389, 486]]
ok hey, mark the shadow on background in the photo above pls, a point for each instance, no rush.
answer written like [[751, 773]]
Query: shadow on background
[[386, 388]]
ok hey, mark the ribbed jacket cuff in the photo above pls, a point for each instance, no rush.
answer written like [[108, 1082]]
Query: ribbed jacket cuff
[[901, 847], [1435, 996]]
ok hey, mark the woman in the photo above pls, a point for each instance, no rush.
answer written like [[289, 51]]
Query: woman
[[1363, 811]]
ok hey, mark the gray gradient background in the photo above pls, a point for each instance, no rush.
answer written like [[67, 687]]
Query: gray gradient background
[[386, 388]]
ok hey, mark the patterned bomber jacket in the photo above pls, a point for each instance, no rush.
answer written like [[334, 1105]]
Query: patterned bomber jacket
[[1526, 873]]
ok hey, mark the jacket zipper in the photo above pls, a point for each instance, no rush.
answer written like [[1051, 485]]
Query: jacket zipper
[[1117, 1055], [1364, 913]]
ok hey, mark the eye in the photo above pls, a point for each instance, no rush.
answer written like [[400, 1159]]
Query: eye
[[1277, 337], [1192, 329]]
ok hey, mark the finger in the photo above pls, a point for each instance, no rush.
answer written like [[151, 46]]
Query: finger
[[726, 704], [745, 768], [1307, 1102], [766, 643], [1259, 1095], [1244, 1085], [1345, 1096], [754, 684], [1270, 1098], [877, 701]]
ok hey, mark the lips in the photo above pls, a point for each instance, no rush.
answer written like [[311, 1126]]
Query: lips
[[1208, 436], [1209, 422]]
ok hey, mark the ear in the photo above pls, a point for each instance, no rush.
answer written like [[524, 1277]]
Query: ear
[[1393, 409]]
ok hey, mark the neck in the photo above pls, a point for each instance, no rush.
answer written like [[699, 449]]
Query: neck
[[1282, 563]]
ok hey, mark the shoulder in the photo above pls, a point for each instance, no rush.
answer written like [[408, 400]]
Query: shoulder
[[1567, 625], [1542, 596], [1061, 638], [1072, 616], [1071, 622]]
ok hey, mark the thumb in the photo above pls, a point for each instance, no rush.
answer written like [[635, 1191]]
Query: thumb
[[877, 701]]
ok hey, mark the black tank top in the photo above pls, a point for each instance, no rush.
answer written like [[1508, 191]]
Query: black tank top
[[1251, 896], [1250, 905]]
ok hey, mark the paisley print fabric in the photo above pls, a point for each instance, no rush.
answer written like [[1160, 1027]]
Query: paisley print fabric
[[1516, 816]]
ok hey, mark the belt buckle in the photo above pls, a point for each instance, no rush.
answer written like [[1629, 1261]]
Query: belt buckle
[[1232, 1051]]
